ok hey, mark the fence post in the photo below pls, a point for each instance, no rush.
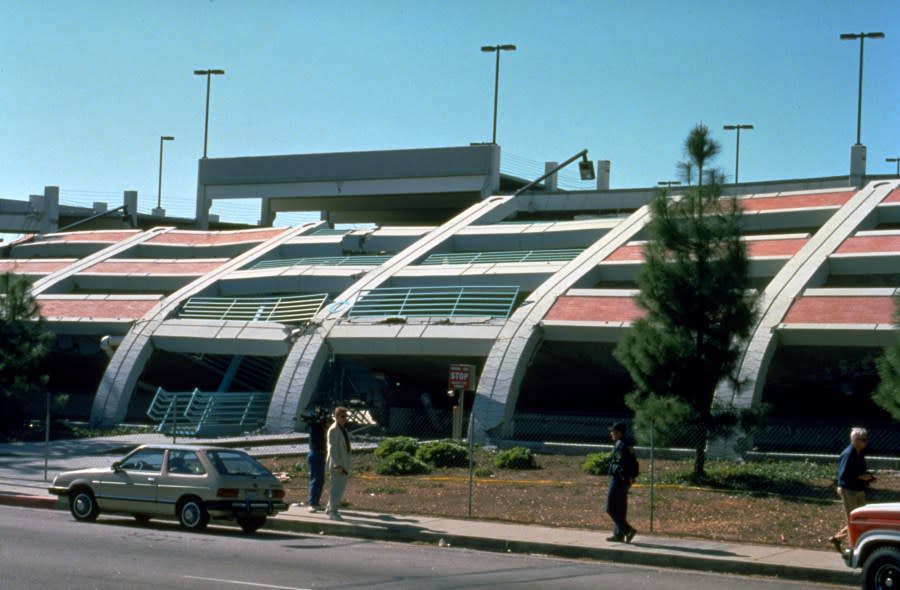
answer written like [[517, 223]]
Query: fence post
[[652, 448], [47, 436], [471, 445]]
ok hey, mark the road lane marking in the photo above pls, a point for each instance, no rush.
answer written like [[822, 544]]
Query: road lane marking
[[242, 583]]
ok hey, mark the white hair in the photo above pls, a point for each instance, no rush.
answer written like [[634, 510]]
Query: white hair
[[857, 432]]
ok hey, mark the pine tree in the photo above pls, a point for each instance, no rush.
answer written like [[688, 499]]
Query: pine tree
[[887, 395], [694, 287], [24, 343]]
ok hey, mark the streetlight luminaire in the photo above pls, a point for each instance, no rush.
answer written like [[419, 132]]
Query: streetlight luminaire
[[208, 74], [496, 49], [737, 150], [896, 161]]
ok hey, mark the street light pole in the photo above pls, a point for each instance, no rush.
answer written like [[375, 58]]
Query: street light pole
[[897, 161], [496, 49], [208, 74], [737, 150], [862, 37], [162, 138]]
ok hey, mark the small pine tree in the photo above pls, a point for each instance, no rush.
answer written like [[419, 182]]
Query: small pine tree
[[694, 288], [887, 395], [24, 343]]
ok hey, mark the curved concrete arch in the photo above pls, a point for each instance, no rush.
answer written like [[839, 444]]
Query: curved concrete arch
[[520, 338], [120, 378], [299, 375], [799, 272]]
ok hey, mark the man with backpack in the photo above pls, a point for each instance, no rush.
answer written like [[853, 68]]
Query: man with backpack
[[623, 470]]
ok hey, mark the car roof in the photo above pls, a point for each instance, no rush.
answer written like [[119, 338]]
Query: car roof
[[187, 447]]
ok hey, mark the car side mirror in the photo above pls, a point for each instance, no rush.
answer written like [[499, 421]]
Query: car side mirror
[[117, 466]]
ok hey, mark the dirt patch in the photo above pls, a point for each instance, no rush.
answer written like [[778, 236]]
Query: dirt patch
[[560, 494]]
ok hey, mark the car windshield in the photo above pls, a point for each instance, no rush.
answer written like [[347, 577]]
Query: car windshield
[[235, 463]]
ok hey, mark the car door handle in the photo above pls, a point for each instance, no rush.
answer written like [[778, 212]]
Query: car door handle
[[151, 479]]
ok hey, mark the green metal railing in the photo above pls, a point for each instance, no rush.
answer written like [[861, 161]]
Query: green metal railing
[[490, 301], [362, 260], [206, 413], [286, 310], [500, 257]]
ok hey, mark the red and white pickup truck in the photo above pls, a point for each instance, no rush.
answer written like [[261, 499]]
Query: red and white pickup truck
[[875, 545]]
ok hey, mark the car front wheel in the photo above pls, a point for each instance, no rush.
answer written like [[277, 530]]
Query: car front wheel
[[192, 514], [882, 569], [83, 505], [251, 524]]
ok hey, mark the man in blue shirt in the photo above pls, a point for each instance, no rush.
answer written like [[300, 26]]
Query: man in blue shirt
[[853, 478]]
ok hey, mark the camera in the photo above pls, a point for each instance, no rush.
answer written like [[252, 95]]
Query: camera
[[317, 415]]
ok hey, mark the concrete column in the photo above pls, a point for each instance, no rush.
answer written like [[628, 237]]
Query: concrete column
[[602, 175], [550, 183], [130, 202], [266, 215], [50, 210], [857, 165], [201, 219]]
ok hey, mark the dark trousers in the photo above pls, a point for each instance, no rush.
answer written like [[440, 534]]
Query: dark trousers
[[617, 505], [316, 461]]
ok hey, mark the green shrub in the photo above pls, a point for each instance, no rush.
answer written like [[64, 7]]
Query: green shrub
[[401, 463], [516, 458], [390, 446], [596, 464], [483, 472], [443, 453]]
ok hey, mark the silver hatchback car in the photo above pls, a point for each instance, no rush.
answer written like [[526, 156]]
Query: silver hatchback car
[[189, 482]]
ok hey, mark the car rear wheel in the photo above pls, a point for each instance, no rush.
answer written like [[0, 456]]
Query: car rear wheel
[[251, 524], [882, 569], [83, 505], [192, 514]]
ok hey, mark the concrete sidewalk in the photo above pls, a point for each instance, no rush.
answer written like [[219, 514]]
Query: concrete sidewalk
[[22, 484]]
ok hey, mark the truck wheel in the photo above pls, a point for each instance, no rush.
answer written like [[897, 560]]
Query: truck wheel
[[882, 569]]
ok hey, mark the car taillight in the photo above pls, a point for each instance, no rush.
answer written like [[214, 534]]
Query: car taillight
[[277, 494], [227, 493]]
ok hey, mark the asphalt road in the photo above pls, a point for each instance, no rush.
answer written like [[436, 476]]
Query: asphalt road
[[49, 550]]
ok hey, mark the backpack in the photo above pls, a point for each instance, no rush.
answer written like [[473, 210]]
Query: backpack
[[631, 468]]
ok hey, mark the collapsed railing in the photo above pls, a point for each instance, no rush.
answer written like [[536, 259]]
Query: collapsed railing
[[208, 413], [286, 310]]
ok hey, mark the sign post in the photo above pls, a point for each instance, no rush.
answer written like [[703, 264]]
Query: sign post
[[462, 379]]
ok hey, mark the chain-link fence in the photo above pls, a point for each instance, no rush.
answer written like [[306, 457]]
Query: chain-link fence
[[773, 485], [779, 489]]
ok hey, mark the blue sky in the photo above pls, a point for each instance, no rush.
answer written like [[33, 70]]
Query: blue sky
[[88, 87]]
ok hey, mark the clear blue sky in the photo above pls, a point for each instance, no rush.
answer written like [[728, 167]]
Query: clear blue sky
[[88, 87]]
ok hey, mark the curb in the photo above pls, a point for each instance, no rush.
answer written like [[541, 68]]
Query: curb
[[410, 534], [46, 502]]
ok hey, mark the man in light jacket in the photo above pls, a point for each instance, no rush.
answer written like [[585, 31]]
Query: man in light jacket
[[338, 461]]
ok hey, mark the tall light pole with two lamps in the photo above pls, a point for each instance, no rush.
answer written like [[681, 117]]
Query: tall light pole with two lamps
[[496, 49], [737, 150], [209, 74], [858, 150], [159, 211]]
